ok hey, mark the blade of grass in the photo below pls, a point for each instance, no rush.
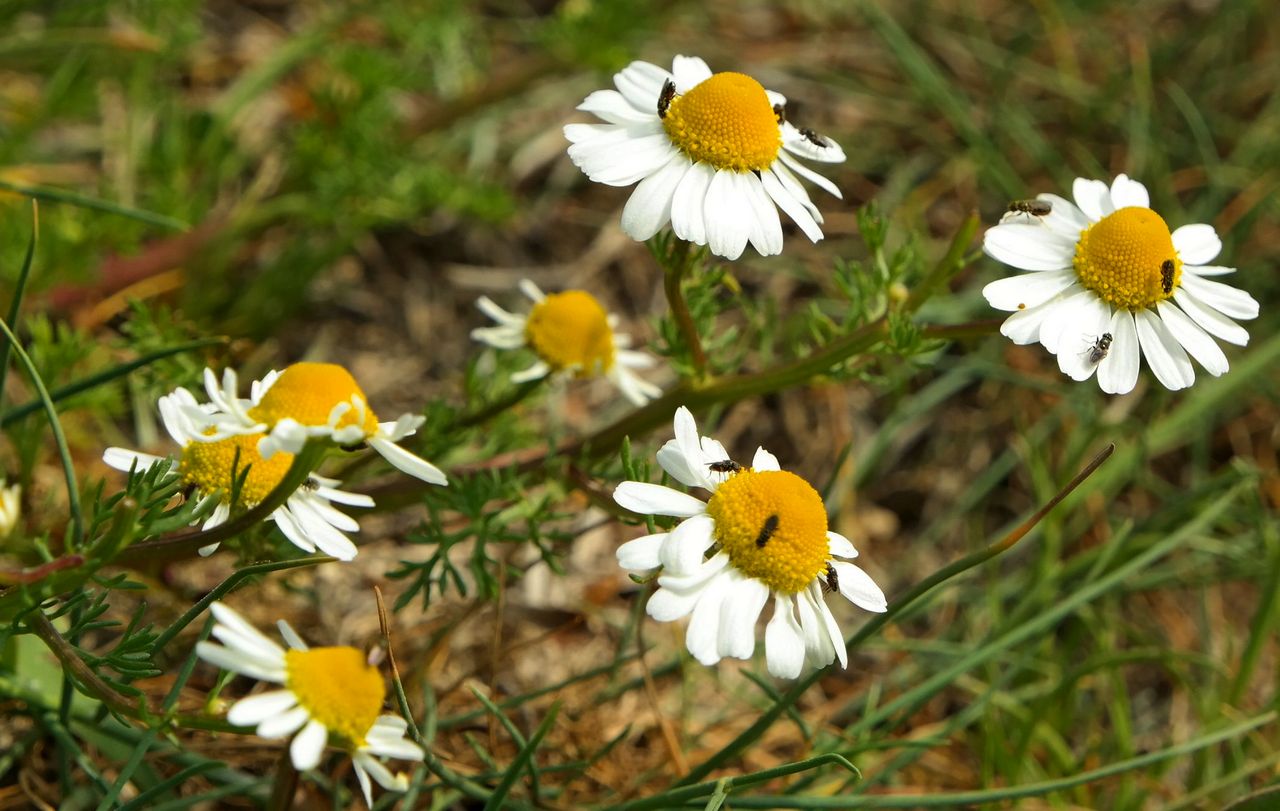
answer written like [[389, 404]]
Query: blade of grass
[[52, 195], [523, 760], [19, 288]]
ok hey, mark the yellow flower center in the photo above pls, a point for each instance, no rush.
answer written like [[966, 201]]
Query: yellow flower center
[[726, 122], [307, 392], [338, 688], [570, 330], [1128, 259], [214, 466], [774, 527]]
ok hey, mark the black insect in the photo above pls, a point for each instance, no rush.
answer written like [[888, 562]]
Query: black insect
[[1166, 276], [1037, 208], [832, 582], [1098, 350], [664, 98], [780, 112], [813, 137], [725, 466], [766, 532]]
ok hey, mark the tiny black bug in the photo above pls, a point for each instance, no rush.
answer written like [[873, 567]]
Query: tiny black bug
[[725, 466], [1098, 350], [1038, 208], [766, 532], [780, 112], [813, 137], [664, 98], [1166, 276], [832, 580]]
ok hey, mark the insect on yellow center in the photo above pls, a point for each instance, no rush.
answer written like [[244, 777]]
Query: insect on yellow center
[[726, 122], [307, 392], [338, 688], [570, 330], [1125, 256], [214, 466], [773, 526]]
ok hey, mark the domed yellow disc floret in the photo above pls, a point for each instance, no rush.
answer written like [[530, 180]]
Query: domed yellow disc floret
[[338, 688], [307, 392], [213, 466], [774, 527], [570, 330], [726, 122], [1124, 259]]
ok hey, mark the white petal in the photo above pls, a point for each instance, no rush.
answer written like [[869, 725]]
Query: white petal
[[818, 649], [238, 662], [308, 746], [1197, 243], [1093, 197], [284, 724], [1065, 219], [127, 460], [857, 587], [1193, 339], [1126, 192], [832, 628], [1061, 322], [738, 614], [763, 460], [673, 461], [784, 640], [691, 447], [654, 499], [641, 84], [689, 72], [251, 711], [1029, 247], [1118, 371], [362, 776], [688, 204], [793, 207], [1230, 301], [827, 151], [727, 216], [406, 462], [1212, 321], [840, 546], [613, 107], [1164, 355], [291, 637], [1023, 327], [766, 228], [226, 616], [537, 371], [786, 162], [649, 207], [703, 634], [1207, 270], [683, 549], [677, 594], [642, 553], [1075, 348], [1027, 289]]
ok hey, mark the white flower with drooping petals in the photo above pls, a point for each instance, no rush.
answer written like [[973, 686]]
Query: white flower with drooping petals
[[713, 155], [328, 692], [216, 468], [572, 334], [767, 532], [1109, 281]]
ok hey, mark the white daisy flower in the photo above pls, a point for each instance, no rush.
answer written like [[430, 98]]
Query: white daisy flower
[[713, 154], [766, 530], [313, 400], [572, 334], [308, 518], [329, 692], [1108, 279]]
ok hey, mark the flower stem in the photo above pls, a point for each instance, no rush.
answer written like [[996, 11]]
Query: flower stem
[[674, 267]]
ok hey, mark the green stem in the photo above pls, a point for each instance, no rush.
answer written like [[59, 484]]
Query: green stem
[[285, 784], [74, 666], [68, 471], [485, 413], [873, 625], [687, 794], [184, 543], [15, 307], [674, 267]]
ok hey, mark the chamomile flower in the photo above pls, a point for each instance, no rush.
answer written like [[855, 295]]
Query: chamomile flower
[[571, 334], [308, 518], [328, 693], [714, 155], [766, 531], [1109, 280], [313, 400]]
